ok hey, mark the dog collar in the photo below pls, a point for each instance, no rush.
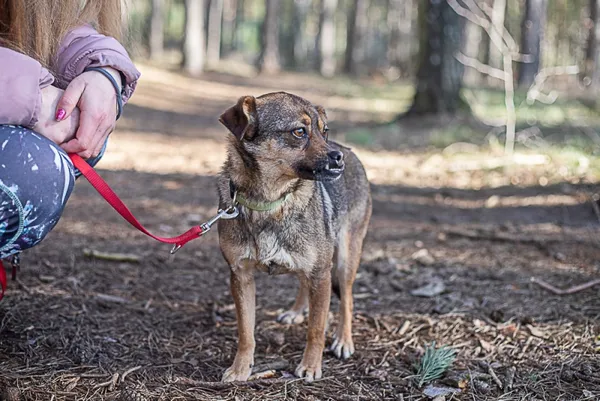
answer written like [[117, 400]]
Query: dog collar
[[260, 206]]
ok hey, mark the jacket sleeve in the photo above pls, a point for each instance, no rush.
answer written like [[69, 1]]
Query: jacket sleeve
[[84, 47], [21, 81]]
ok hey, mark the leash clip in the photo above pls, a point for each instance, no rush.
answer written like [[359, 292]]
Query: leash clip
[[227, 214]]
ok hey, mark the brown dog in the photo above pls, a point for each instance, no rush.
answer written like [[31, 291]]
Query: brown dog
[[304, 205]]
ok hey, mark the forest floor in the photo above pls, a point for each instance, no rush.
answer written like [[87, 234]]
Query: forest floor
[[449, 214]]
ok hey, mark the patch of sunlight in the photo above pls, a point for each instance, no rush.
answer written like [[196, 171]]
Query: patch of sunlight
[[159, 87]]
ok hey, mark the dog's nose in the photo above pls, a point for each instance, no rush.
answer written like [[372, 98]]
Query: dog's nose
[[336, 159]]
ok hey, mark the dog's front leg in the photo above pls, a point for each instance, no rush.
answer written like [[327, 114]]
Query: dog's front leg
[[319, 297], [244, 295]]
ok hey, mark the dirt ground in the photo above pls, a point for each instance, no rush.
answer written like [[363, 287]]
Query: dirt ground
[[163, 328]]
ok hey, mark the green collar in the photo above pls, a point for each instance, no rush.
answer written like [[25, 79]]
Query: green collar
[[261, 206]]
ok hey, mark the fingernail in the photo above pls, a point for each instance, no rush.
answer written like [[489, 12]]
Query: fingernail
[[60, 114]]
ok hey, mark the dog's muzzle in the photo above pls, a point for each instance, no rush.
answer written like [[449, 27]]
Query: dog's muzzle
[[335, 165]]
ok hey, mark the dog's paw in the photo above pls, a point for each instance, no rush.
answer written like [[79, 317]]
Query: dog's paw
[[309, 372], [235, 374], [342, 347], [291, 317]]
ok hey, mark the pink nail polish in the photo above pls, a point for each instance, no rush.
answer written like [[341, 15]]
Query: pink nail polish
[[60, 114]]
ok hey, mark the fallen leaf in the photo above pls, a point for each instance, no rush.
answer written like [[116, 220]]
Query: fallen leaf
[[373, 255], [423, 257], [486, 345], [430, 290], [267, 374], [433, 391], [492, 201], [536, 332]]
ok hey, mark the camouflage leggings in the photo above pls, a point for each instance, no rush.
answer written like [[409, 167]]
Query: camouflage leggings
[[36, 180]]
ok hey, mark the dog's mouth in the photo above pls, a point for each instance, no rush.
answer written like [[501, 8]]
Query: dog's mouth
[[331, 172], [328, 173], [321, 172]]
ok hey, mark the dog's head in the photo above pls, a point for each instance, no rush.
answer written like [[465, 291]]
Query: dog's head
[[284, 132]]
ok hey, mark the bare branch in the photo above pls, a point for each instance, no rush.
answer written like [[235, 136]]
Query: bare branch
[[534, 93], [510, 42], [506, 44], [481, 67]]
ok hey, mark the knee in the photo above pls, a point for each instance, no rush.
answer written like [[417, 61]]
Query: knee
[[36, 179]]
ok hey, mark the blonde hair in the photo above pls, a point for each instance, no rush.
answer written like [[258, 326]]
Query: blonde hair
[[36, 27]]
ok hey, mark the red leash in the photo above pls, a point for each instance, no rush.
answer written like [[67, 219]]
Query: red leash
[[111, 197], [2, 280]]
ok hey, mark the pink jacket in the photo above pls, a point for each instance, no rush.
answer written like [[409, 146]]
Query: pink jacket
[[22, 78]]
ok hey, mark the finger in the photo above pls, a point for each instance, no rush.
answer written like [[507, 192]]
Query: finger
[[69, 99], [101, 142], [85, 139]]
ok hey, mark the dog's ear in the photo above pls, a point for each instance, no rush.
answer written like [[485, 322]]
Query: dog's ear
[[322, 119], [322, 113], [241, 118]]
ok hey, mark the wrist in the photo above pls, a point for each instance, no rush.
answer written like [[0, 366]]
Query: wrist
[[116, 74], [116, 83]]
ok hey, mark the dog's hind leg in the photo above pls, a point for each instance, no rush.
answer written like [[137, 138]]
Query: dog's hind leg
[[295, 315], [243, 290], [346, 264]]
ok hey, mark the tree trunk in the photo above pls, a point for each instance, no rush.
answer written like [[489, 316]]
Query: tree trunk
[[399, 21], [498, 15], [326, 38], [269, 57], [194, 41], [215, 19], [472, 46], [157, 36], [299, 15], [230, 8], [439, 77], [532, 29], [238, 23], [355, 32], [592, 56]]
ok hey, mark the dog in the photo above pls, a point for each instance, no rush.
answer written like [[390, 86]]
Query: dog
[[304, 207]]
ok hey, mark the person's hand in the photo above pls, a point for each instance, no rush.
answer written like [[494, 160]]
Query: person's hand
[[58, 132], [96, 98]]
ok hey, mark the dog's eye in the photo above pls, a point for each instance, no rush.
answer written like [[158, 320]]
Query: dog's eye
[[326, 131], [299, 132]]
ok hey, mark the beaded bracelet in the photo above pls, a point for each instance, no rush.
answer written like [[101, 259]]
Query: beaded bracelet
[[114, 83]]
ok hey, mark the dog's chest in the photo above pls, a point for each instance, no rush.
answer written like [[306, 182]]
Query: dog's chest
[[277, 251]]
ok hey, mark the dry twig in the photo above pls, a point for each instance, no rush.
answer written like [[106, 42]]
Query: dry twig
[[568, 291]]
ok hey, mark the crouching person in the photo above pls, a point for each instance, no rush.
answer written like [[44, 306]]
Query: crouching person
[[64, 79]]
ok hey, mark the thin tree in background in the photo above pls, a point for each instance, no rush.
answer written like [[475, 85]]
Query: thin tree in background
[[269, 56], [439, 75], [230, 8], [299, 15], [400, 25], [355, 32], [498, 15], [194, 41], [532, 29], [238, 23], [326, 38], [592, 56], [471, 48], [215, 20], [157, 35]]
